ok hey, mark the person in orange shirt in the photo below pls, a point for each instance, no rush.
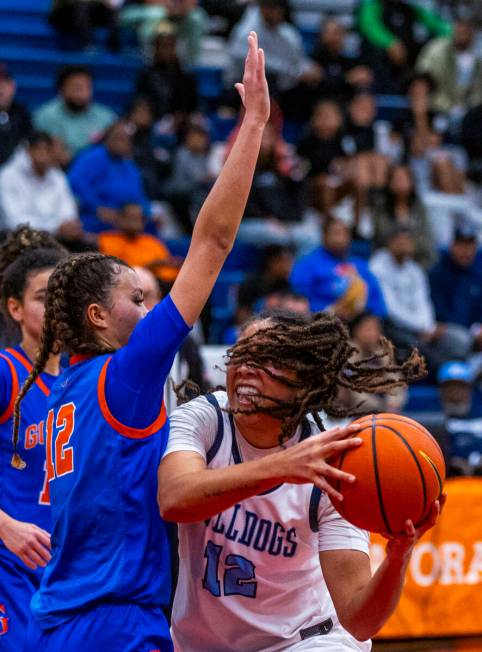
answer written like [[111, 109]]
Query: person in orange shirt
[[129, 243]]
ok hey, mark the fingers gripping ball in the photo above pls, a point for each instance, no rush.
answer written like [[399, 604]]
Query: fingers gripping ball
[[400, 471]]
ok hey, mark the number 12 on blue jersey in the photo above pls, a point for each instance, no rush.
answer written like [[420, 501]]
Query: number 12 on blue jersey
[[59, 456], [239, 575]]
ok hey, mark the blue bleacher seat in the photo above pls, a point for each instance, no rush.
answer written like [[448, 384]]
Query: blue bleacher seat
[[210, 82]]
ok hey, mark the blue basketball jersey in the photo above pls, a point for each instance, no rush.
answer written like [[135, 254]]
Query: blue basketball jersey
[[24, 494], [109, 543]]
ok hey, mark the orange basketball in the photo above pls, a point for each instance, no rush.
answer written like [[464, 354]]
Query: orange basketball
[[400, 471]]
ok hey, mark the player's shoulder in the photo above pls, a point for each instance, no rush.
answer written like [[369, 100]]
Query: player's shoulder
[[207, 406]]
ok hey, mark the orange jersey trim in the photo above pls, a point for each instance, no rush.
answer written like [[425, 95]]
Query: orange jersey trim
[[23, 361], [13, 394], [127, 431]]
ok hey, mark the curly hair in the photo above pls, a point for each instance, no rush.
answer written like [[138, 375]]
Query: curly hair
[[319, 352], [76, 282], [22, 240]]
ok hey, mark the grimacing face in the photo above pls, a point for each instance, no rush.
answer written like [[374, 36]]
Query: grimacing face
[[245, 383]]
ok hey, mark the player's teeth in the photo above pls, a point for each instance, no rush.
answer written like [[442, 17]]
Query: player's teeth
[[246, 391]]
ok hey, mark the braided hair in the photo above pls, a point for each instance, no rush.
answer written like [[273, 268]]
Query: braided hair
[[76, 282], [320, 353]]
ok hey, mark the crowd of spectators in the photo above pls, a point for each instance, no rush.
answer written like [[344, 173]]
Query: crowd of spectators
[[369, 210]]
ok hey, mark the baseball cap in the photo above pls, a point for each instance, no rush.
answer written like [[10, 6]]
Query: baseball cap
[[455, 370], [465, 231]]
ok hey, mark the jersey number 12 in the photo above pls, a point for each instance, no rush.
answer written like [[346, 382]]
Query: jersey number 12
[[59, 456], [239, 576]]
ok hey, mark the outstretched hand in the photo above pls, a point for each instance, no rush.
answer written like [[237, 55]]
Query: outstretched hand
[[399, 546], [254, 90]]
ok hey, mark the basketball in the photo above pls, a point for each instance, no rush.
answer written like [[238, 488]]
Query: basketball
[[400, 471]]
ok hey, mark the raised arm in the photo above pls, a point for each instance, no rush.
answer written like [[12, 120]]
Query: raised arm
[[218, 221]]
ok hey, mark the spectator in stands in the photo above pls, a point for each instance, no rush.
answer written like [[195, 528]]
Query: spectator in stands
[[435, 165], [273, 277], [293, 77], [79, 19], [170, 89], [323, 150], [369, 169], [190, 21], [153, 160], [277, 182], [389, 29], [277, 300], [410, 312], [333, 279], [454, 63], [72, 117], [462, 410], [399, 205], [192, 24], [34, 192], [191, 177], [366, 334], [104, 178], [129, 243], [456, 283], [471, 139], [285, 301], [341, 75], [15, 125], [229, 11]]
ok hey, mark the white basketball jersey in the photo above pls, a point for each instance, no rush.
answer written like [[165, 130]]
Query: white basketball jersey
[[250, 578]]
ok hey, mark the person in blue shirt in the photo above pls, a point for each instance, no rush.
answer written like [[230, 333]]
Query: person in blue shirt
[[333, 279], [25, 266], [106, 426], [456, 283], [104, 178]]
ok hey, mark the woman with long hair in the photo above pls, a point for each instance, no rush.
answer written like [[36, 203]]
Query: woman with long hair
[[27, 259]]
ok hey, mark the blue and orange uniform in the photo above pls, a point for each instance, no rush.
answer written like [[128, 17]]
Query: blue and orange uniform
[[23, 494], [106, 430]]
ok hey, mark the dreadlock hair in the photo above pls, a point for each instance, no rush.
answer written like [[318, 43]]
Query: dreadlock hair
[[319, 351], [76, 282]]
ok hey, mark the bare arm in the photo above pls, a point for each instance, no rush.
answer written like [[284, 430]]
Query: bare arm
[[189, 492], [364, 603], [218, 221]]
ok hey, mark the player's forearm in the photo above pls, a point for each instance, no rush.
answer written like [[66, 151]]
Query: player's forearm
[[220, 216], [373, 604], [195, 496]]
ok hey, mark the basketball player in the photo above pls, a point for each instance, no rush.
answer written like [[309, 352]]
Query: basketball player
[[25, 267], [106, 424], [266, 563]]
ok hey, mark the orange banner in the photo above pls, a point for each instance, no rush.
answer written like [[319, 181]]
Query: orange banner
[[443, 591]]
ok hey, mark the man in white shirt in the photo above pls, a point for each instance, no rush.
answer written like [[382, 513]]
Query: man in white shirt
[[265, 561], [411, 316], [34, 192]]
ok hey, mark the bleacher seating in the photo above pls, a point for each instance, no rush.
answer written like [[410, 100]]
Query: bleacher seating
[[34, 54]]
